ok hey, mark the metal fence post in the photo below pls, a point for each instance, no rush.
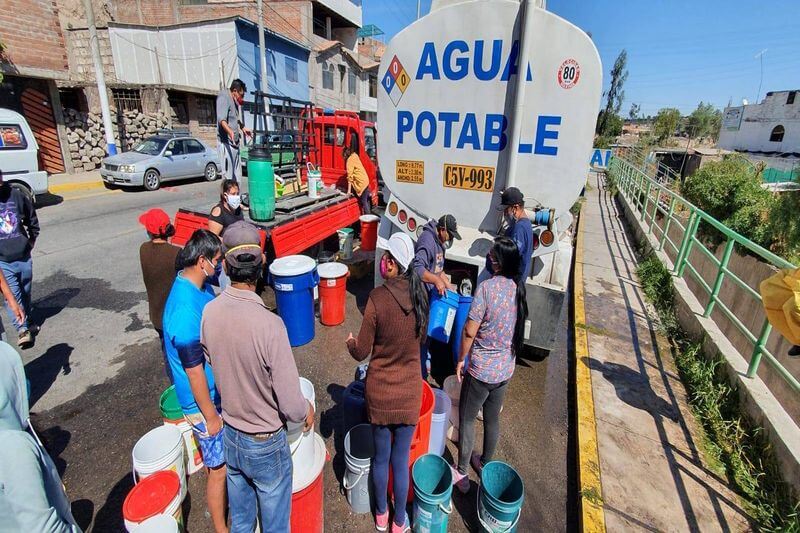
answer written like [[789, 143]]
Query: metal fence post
[[726, 257], [667, 224], [655, 210], [758, 349], [687, 239], [646, 199]]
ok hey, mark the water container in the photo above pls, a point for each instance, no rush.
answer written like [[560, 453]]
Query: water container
[[500, 498], [261, 177], [359, 450], [442, 315], [345, 242], [462, 313], [439, 422], [453, 389], [433, 485], [160, 449], [369, 232], [314, 176], [308, 492], [172, 414], [354, 405], [158, 494], [332, 293], [294, 279]]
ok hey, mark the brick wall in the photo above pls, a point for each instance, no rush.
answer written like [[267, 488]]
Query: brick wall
[[80, 56], [31, 35]]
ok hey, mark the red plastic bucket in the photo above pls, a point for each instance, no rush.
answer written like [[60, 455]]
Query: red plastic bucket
[[332, 292], [159, 493], [369, 232], [422, 435], [308, 511]]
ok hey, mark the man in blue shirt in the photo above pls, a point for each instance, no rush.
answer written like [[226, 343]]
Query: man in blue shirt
[[520, 228], [194, 381]]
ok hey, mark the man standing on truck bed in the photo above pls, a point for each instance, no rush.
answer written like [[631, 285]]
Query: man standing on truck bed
[[428, 263], [229, 124]]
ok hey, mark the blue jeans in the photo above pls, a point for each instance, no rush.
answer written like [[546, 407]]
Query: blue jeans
[[397, 452], [259, 479], [19, 275]]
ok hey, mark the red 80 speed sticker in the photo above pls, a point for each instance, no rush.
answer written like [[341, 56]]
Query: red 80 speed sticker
[[569, 73]]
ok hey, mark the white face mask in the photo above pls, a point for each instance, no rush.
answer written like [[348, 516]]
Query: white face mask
[[234, 200]]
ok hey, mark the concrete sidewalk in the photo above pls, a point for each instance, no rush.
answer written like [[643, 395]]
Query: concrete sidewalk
[[652, 473], [80, 181]]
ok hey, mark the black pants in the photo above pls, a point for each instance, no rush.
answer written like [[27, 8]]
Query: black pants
[[474, 395], [365, 202]]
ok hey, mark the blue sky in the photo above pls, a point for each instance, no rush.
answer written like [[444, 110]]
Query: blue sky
[[679, 52]]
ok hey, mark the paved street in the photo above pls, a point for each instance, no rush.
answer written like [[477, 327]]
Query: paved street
[[96, 373]]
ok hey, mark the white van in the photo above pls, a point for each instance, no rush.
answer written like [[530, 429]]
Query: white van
[[19, 151]]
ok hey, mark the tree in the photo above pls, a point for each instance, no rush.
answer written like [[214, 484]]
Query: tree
[[666, 122], [615, 95], [635, 111], [704, 121]]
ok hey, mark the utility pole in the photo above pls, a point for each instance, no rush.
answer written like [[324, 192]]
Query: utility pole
[[111, 145], [263, 55], [760, 57], [418, 2]]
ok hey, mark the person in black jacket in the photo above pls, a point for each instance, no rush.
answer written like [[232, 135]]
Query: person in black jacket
[[19, 228]]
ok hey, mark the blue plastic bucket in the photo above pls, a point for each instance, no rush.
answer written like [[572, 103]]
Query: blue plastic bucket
[[433, 486], [500, 498], [442, 315], [294, 278], [464, 302]]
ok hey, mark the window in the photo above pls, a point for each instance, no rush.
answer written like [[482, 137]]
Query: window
[[370, 143], [777, 134], [339, 137], [127, 100], [72, 99], [328, 136], [790, 98], [176, 147], [291, 69], [327, 76], [193, 147], [178, 102], [12, 138], [352, 81], [206, 110], [373, 86]]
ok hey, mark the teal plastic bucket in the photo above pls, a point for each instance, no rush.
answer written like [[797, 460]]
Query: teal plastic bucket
[[500, 498], [442, 315], [261, 178], [433, 486]]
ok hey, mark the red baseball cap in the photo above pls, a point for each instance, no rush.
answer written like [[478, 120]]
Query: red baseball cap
[[155, 221]]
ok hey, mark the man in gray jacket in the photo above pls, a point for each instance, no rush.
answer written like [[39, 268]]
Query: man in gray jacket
[[229, 125]]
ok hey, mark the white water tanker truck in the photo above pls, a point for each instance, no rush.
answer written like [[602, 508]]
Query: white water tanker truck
[[478, 96]]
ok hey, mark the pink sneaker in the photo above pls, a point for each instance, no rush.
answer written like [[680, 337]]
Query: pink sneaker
[[461, 481], [401, 529], [382, 521]]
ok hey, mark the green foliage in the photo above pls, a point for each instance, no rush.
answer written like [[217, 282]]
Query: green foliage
[[666, 123], [615, 95], [635, 111], [731, 440], [730, 191], [612, 126], [784, 225], [604, 141], [704, 121]]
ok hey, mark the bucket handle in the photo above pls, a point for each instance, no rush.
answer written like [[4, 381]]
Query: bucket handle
[[310, 166], [448, 510], [487, 526], [361, 473], [295, 445]]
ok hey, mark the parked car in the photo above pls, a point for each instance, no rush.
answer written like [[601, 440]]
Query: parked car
[[160, 158], [19, 154]]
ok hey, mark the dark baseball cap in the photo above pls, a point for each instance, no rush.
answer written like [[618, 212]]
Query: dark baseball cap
[[448, 222], [242, 245], [511, 196]]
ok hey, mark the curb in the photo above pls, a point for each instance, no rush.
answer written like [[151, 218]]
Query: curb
[[590, 496], [75, 186]]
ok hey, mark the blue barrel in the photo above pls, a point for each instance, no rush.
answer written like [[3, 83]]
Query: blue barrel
[[433, 486], [294, 278], [464, 302], [354, 405], [500, 498], [442, 315]]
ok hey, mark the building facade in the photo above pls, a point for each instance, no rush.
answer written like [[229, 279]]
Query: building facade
[[772, 126]]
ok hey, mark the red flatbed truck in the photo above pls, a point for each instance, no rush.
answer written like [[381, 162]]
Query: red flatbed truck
[[301, 222]]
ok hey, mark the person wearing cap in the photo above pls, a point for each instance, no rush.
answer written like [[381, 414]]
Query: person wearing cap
[[19, 229], [520, 228], [158, 259], [248, 348], [394, 326], [194, 381]]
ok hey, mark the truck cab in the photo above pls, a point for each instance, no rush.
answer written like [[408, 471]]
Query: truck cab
[[19, 154]]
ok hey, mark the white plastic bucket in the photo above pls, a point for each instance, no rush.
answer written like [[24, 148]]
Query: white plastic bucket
[[162, 523], [301, 444], [453, 389], [359, 450], [314, 182], [304, 471], [194, 459], [159, 449], [439, 422]]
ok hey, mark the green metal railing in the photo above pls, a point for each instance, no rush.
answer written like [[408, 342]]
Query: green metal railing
[[649, 198]]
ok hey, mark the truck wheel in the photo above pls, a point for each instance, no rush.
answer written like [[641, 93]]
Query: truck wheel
[[211, 172], [152, 180]]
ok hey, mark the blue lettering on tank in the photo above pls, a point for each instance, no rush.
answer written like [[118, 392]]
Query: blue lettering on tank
[[461, 63], [426, 116], [405, 123], [428, 63], [448, 119], [469, 133], [494, 66], [543, 134], [494, 136]]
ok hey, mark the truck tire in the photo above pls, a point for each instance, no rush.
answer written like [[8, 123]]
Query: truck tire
[[152, 179]]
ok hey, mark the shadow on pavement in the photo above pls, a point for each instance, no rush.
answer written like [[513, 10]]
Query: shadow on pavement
[[47, 200], [43, 371], [332, 424], [109, 517], [55, 440]]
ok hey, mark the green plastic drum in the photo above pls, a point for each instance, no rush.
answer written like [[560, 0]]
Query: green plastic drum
[[262, 184]]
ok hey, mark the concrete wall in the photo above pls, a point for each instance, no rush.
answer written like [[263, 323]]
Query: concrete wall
[[278, 50], [32, 39], [347, 9], [81, 65], [338, 97], [757, 122]]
